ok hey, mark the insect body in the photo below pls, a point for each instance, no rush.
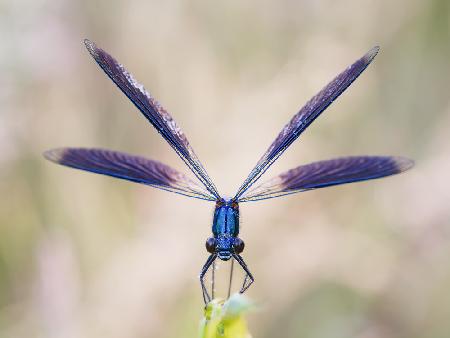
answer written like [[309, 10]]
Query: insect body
[[225, 243], [225, 229]]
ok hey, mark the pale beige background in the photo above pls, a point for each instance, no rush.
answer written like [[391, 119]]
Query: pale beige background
[[88, 256]]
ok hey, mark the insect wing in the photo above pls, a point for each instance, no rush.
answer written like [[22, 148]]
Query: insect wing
[[153, 111], [306, 116], [132, 168], [327, 173]]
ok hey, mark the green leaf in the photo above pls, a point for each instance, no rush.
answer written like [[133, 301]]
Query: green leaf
[[225, 319]]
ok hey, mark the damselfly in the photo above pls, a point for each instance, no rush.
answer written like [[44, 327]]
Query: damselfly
[[225, 243]]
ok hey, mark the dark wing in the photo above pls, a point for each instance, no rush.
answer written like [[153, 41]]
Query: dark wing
[[327, 173], [153, 111], [306, 116], [128, 167]]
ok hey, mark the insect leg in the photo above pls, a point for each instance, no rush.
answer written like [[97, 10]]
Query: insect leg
[[231, 278], [209, 261], [249, 275], [213, 277]]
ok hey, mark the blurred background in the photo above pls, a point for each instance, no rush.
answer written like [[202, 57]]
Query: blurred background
[[83, 255]]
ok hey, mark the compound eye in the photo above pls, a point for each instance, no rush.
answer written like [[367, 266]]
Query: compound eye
[[238, 245], [211, 244]]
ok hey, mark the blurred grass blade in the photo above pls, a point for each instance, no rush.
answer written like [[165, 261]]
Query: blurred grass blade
[[226, 319]]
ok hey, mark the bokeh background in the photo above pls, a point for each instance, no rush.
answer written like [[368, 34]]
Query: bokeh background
[[83, 255]]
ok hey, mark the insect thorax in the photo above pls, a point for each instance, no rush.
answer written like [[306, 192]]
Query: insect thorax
[[226, 219]]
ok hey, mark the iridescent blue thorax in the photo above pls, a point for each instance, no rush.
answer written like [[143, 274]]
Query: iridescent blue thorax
[[225, 227]]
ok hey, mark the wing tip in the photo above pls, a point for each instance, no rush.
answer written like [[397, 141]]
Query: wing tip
[[90, 46], [403, 163], [370, 55], [55, 155]]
